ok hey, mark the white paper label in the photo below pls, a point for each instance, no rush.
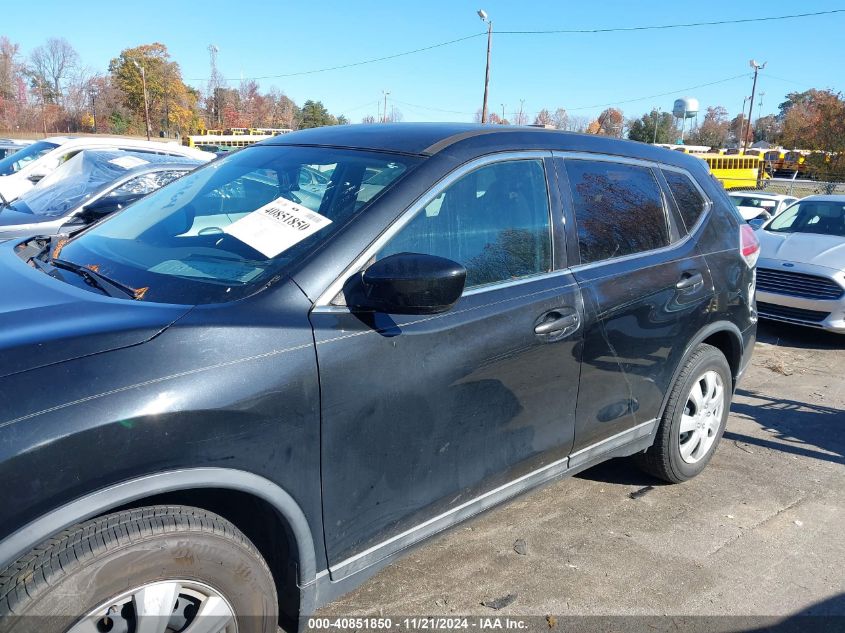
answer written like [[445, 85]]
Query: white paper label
[[275, 227], [128, 162]]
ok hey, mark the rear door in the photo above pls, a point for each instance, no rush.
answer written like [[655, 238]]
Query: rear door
[[427, 419], [646, 292]]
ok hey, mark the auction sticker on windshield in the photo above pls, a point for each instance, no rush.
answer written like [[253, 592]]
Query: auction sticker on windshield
[[275, 227]]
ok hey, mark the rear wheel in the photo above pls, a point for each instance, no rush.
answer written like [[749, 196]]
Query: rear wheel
[[158, 569], [694, 419]]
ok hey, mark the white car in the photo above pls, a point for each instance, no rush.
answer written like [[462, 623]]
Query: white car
[[755, 205], [20, 171], [801, 270]]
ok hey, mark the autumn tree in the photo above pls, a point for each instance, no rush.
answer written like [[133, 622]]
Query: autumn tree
[[738, 128], [609, 123], [172, 104], [714, 130], [12, 89], [643, 129]]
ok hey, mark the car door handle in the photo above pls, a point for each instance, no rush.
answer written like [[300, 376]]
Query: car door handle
[[690, 281], [555, 322]]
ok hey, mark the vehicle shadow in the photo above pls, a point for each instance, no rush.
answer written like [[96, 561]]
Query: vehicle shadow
[[798, 428], [775, 333], [621, 470], [827, 616]]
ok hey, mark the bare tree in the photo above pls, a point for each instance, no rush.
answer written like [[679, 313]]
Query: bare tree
[[543, 118], [50, 64], [560, 119], [368, 119]]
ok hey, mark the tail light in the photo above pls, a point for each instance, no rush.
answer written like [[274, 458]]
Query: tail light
[[749, 246]]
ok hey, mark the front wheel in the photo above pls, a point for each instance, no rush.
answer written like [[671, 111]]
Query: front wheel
[[694, 419], [156, 569]]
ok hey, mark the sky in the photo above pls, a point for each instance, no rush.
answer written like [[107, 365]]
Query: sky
[[582, 73]]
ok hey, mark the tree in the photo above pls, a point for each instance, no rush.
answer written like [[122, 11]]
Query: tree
[[49, 65], [560, 119], [814, 119], [173, 105], [314, 114], [610, 123], [738, 128], [543, 118], [715, 129], [368, 119], [643, 129]]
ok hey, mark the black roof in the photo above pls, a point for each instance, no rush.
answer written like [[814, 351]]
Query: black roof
[[427, 139]]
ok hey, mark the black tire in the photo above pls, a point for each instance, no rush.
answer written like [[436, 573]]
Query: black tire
[[69, 575], [663, 459]]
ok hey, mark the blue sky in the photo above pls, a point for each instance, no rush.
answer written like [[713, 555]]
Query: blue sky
[[579, 72]]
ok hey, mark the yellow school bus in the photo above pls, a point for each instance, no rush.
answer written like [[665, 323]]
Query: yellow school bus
[[736, 172]]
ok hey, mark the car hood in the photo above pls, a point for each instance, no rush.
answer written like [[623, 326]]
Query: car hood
[[45, 321], [11, 217], [805, 248]]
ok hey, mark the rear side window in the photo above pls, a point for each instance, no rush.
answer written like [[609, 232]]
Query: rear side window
[[618, 209], [690, 202]]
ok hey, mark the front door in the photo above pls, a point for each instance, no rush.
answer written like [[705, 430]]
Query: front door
[[427, 419]]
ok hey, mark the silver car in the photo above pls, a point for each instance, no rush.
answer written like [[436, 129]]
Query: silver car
[[801, 271]]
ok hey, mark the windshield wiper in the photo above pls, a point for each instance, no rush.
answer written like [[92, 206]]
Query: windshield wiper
[[109, 286]]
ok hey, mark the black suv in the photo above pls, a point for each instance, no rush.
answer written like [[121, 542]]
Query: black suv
[[247, 392]]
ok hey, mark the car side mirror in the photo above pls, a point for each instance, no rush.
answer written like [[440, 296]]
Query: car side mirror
[[411, 283]]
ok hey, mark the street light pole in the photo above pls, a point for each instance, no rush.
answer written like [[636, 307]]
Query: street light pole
[[656, 119], [146, 103], [483, 15], [757, 67]]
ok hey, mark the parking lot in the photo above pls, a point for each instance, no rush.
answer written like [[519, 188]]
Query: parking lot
[[758, 533]]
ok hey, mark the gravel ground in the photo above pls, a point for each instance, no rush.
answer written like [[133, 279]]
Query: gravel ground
[[761, 532]]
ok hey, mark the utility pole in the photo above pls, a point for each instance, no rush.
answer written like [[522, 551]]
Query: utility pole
[[656, 119], [214, 86], [384, 114], [757, 67], [483, 15], [519, 116], [503, 112], [93, 113], [146, 102]]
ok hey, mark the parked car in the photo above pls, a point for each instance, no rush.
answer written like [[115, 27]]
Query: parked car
[[756, 205], [88, 187], [225, 401], [20, 171], [10, 146], [801, 275]]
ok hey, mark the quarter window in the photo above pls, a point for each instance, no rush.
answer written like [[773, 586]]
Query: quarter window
[[494, 221], [690, 202], [618, 209]]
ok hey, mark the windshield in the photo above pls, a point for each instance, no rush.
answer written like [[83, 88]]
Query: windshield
[[81, 177], [822, 217], [21, 158], [221, 232]]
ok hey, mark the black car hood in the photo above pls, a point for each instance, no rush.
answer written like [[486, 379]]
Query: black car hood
[[45, 321]]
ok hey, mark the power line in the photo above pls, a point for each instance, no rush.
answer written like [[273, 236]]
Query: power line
[[534, 32], [671, 26], [359, 63]]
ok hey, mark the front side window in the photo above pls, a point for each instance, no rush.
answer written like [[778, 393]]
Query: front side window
[[146, 183], [690, 202], [184, 244], [494, 221], [618, 209]]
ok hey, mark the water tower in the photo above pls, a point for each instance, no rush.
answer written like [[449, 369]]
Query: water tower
[[683, 109]]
